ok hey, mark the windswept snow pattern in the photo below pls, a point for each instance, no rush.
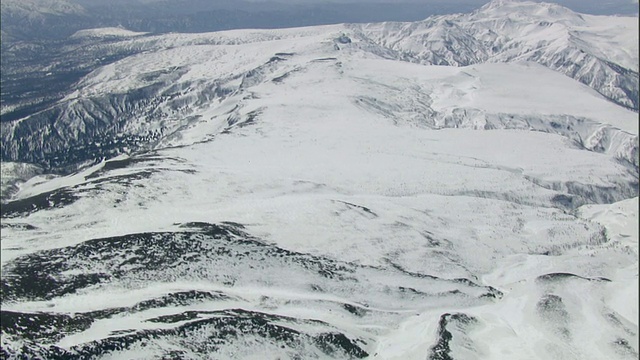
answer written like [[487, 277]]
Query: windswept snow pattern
[[382, 191]]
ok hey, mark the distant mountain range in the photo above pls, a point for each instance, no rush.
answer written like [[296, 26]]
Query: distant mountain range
[[29, 20]]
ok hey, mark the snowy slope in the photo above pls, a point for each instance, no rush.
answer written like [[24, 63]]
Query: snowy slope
[[101, 33], [111, 104], [599, 51], [309, 193]]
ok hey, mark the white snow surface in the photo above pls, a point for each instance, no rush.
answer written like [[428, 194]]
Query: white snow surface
[[340, 152], [111, 32]]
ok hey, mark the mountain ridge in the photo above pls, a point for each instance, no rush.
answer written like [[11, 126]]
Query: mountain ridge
[[458, 40]]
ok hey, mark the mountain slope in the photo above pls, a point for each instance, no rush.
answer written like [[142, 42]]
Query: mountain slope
[[599, 51], [318, 193], [132, 112]]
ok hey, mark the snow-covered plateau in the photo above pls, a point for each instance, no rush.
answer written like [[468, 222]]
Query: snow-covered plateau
[[465, 187]]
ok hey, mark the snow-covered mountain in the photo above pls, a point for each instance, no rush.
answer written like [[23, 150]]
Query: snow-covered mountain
[[131, 102], [461, 187], [24, 18], [601, 52], [37, 9]]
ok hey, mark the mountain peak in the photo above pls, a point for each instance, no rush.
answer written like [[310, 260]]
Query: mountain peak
[[498, 3], [523, 9]]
